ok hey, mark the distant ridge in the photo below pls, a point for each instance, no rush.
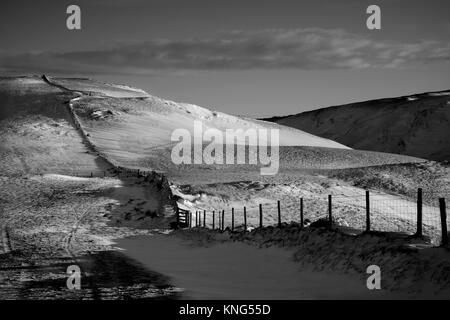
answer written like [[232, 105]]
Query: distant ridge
[[416, 125]]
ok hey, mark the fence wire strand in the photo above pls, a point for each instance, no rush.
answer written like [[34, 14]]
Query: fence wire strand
[[388, 213]]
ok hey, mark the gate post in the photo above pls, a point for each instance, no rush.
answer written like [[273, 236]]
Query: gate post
[[443, 221], [367, 211], [419, 212]]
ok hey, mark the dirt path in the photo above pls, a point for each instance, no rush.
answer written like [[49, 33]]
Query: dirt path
[[239, 271]]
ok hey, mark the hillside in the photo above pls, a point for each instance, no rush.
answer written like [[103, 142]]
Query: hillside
[[416, 125], [37, 132], [136, 132], [133, 129]]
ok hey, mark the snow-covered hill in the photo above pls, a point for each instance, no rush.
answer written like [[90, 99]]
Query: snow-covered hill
[[416, 125], [157, 117], [37, 134], [133, 129]]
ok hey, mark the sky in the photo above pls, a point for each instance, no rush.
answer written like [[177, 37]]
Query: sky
[[247, 57]]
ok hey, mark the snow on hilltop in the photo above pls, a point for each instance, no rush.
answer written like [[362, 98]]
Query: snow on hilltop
[[169, 115], [416, 125]]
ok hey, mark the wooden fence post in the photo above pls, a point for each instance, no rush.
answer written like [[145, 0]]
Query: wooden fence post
[[245, 219], [178, 217], [232, 219], [367, 211], [6, 240], [330, 216], [301, 212], [279, 214], [196, 218], [204, 218], [214, 220], [443, 221], [260, 216], [223, 220], [91, 175], [419, 212]]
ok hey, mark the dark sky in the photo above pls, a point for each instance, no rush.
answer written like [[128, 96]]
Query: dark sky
[[253, 57]]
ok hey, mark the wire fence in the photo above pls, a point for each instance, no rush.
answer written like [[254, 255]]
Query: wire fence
[[366, 212], [118, 172], [372, 211]]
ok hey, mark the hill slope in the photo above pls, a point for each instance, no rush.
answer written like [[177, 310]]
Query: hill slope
[[136, 132], [37, 133], [133, 129], [417, 125]]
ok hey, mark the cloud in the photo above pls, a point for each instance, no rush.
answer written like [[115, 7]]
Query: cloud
[[310, 48]]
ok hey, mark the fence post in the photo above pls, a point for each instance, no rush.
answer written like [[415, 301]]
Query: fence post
[[279, 214], [214, 220], [260, 216], [223, 216], [204, 218], [367, 211], [301, 212], [443, 221], [419, 212], [91, 175], [178, 217], [232, 219], [245, 219], [6, 240], [330, 216], [196, 218]]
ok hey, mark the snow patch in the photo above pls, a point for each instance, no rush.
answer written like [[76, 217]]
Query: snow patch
[[62, 177], [29, 81], [439, 94]]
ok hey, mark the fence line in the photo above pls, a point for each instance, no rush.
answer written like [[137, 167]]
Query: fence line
[[366, 213]]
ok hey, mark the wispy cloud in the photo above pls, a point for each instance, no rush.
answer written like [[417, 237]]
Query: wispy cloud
[[310, 48]]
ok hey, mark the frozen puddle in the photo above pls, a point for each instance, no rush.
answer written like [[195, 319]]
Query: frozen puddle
[[238, 271]]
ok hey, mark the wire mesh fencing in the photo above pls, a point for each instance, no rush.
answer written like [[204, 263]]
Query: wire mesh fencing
[[372, 211]]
